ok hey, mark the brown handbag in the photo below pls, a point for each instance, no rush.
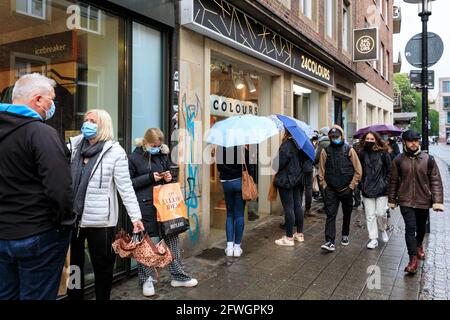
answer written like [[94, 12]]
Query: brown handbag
[[142, 249], [273, 192], [249, 189]]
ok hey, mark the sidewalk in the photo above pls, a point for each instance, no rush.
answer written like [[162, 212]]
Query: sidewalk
[[266, 271]]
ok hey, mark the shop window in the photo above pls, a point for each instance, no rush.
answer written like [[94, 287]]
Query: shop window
[[147, 89], [33, 8]]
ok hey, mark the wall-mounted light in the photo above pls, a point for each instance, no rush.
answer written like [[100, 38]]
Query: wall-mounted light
[[299, 90], [251, 85], [239, 82]]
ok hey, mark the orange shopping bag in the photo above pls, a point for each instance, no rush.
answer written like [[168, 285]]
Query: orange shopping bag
[[171, 209]]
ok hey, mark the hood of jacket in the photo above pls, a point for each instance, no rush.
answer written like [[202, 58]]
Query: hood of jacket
[[340, 130], [14, 116], [139, 142]]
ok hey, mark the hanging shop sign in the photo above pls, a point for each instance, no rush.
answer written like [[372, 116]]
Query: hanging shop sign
[[228, 107], [225, 23], [365, 44]]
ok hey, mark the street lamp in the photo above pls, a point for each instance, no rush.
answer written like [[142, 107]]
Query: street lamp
[[424, 14]]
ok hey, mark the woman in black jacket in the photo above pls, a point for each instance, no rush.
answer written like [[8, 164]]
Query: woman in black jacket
[[289, 182], [376, 165], [230, 165], [150, 166]]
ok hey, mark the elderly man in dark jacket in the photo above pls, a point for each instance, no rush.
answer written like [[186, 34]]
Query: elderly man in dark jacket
[[415, 186], [35, 194]]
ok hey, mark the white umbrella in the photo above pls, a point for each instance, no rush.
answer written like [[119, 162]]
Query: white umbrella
[[242, 130]]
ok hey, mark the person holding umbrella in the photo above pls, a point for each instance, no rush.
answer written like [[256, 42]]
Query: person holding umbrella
[[340, 172], [376, 164]]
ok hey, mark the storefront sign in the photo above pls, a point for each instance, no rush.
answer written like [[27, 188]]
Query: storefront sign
[[227, 107], [365, 46], [225, 23]]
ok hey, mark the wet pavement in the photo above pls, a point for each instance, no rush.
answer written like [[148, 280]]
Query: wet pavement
[[305, 272]]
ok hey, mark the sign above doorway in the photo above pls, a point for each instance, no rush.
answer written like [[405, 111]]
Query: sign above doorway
[[228, 107], [227, 24]]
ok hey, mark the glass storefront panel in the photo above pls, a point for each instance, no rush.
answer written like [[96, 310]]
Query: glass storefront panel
[[235, 89], [81, 48], [147, 80]]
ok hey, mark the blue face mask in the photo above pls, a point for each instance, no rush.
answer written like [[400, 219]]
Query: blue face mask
[[50, 112], [154, 150], [385, 137], [89, 130], [337, 141]]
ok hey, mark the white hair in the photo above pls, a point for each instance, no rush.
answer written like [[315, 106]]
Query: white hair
[[31, 84]]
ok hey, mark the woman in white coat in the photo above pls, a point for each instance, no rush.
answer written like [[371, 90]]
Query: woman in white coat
[[99, 169]]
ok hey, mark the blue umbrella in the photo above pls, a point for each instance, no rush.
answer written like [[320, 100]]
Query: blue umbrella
[[303, 125], [300, 137], [242, 130]]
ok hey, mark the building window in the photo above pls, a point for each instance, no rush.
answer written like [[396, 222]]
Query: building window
[[330, 19], [90, 18], [309, 9], [448, 117], [446, 102], [388, 62], [381, 58], [346, 26], [386, 11], [33, 8], [446, 86]]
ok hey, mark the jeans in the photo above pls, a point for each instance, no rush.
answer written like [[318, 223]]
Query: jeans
[[102, 256], [31, 268], [308, 189], [332, 200], [291, 200], [376, 216], [235, 210], [415, 227]]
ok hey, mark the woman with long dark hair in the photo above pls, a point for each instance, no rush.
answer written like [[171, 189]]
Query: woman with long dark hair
[[376, 164]]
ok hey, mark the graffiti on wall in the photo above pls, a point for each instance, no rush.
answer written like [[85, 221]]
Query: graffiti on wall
[[192, 140]]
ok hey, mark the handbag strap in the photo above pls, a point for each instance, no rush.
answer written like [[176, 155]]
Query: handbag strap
[[244, 164]]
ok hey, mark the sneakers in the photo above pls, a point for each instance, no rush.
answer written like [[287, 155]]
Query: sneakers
[[345, 241], [384, 236], [284, 241], [329, 246], [299, 237], [237, 251], [190, 283], [148, 289], [229, 252], [372, 244]]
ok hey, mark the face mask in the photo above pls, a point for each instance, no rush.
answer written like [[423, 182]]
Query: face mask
[[337, 141], [89, 130], [51, 112], [154, 150], [385, 137], [369, 145]]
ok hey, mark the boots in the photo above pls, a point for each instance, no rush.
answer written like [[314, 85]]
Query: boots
[[420, 252], [412, 265]]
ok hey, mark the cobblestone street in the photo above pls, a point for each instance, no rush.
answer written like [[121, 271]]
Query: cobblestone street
[[266, 271]]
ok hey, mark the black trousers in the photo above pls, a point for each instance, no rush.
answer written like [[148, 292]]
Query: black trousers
[[308, 177], [102, 256], [332, 201], [415, 227], [291, 200]]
